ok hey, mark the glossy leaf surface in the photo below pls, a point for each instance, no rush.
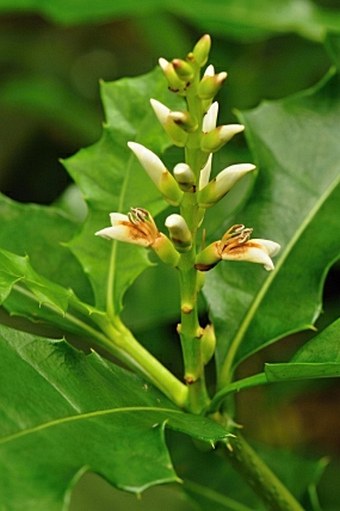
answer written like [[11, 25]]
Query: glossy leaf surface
[[111, 179], [71, 413], [294, 202]]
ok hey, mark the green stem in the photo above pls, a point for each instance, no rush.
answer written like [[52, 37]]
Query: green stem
[[259, 476], [120, 342], [159, 375]]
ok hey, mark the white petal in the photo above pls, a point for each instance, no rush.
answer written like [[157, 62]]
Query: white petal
[[150, 161], [250, 254], [226, 179], [210, 118], [229, 130], [117, 218], [178, 228], [124, 232], [162, 112], [205, 173], [271, 247], [163, 63], [210, 71]]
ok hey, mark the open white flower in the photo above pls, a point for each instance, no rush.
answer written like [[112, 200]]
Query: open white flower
[[237, 245], [139, 228]]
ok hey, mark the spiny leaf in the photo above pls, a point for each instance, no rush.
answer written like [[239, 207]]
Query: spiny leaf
[[71, 413], [295, 202], [111, 179]]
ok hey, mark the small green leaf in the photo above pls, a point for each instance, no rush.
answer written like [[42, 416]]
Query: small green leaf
[[111, 179], [69, 413], [295, 202]]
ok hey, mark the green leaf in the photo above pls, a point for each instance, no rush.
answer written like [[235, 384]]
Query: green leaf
[[40, 230], [319, 358], [295, 202], [111, 179], [72, 413]]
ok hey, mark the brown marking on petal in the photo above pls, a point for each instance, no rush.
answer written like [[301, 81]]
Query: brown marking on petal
[[135, 233], [243, 248]]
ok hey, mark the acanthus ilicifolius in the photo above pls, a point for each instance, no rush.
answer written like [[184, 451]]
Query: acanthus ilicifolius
[[190, 188]]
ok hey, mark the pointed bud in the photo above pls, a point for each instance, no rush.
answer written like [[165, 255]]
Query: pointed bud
[[210, 85], [176, 133], [210, 118], [159, 174], [208, 341], [176, 84], [183, 69], [184, 177], [205, 173], [210, 71], [215, 139], [222, 184], [201, 50], [184, 120], [165, 250], [179, 232]]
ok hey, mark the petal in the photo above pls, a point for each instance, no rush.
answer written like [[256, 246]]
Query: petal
[[271, 247], [124, 231], [118, 218], [205, 173], [161, 111], [250, 252], [210, 71], [210, 118], [149, 161]]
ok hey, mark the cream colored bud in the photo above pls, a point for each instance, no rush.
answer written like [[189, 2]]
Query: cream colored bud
[[210, 85], [184, 120], [222, 184], [184, 176], [179, 232], [210, 118], [176, 84], [175, 132], [215, 139], [159, 174]]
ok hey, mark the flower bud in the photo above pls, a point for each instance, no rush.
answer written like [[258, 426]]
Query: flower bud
[[159, 174], [184, 177], [201, 50], [205, 173], [184, 120], [222, 184], [173, 130], [210, 118], [210, 85], [208, 341], [165, 250], [179, 232], [176, 84], [215, 139], [183, 69]]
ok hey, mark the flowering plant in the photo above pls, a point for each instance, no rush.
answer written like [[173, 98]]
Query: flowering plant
[[77, 413]]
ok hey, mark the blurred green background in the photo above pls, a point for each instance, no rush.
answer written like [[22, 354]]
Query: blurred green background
[[53, 55]]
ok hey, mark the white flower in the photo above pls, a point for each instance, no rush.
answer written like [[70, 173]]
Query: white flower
[[237, 245], [137, 227]]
